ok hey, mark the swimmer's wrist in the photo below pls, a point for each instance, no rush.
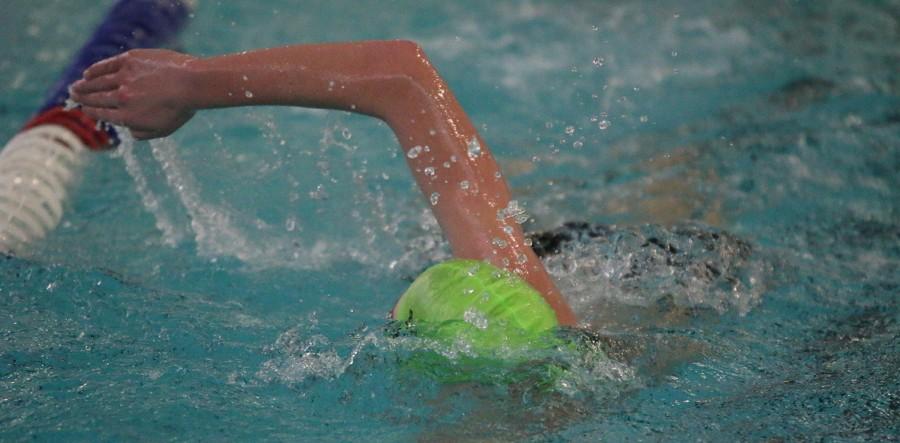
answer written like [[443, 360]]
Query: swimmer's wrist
[[195, 85]]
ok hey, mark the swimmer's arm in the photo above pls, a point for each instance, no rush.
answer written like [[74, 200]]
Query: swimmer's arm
[[154, 92]]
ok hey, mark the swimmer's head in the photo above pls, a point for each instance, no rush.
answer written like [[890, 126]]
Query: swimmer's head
[[492, 310]]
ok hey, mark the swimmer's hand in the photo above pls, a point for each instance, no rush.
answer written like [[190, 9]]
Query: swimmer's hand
[[142, 89]]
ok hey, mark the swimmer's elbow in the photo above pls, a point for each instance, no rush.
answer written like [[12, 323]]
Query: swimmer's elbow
[[412, 62], [410, 52], [413, 77]]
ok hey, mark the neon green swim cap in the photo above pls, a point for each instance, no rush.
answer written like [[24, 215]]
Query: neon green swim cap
[[484, 324], [492, 312]]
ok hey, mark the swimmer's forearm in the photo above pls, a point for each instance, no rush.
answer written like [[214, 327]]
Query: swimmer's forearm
[[364, 77]]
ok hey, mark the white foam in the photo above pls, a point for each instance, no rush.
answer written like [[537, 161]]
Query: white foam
[[171, 233]]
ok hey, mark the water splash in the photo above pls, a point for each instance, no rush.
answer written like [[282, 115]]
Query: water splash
[[215, 228], [172, 234], [688, 265]]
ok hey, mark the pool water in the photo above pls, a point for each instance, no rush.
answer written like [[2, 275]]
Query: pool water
[[737, 161]]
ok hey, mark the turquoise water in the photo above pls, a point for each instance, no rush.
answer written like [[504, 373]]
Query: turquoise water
[[745, 152]]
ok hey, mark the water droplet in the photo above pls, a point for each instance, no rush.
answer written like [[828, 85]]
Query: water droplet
[[603, 125], [521, 258], [644, 119], [429, 171], [346, 133], [474, 148], [475, 318], [527, 241], [570, 130], [498, 174], [595, 28], [245, 78], [464, 184], [432, 132], [447, 164], [499, 242], [508, 229], [414, 151], [290, 224], [434, 198], [598, 61], [674, 53], [577, 144], [319, 193], [248, 94]]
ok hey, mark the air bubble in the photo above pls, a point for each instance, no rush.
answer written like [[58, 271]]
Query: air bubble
[[248, 94], [603, 125], [464, 185], [434, 198], [429, 171]]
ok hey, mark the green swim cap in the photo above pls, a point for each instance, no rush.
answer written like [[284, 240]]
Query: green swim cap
[[483, 324], [489, 311]]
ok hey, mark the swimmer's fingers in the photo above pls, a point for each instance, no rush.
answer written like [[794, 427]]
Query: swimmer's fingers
[[99, 84], [110, 99], [104, 67], [104, 114]]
